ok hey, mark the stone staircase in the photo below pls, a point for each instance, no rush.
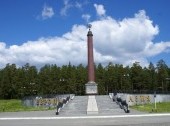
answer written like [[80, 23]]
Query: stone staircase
[[106, 106], [78, 107]]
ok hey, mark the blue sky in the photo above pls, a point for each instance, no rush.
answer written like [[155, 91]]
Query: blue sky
[[34, 25]]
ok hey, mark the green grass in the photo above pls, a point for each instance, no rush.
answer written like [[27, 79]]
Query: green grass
[[14, 105], [160, 107]]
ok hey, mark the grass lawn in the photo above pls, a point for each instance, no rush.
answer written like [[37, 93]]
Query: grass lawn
[[14, 105], [160, 107]]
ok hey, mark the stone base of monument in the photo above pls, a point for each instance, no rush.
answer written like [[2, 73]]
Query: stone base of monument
[[92, 105], [91, 88]]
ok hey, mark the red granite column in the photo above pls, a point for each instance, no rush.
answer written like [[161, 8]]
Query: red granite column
[[90, 86], [91, 76]]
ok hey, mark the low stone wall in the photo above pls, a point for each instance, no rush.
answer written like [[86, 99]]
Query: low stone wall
[[138, 99], [43, 101], [146, 98]]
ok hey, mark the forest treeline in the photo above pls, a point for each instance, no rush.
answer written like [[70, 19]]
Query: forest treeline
[[17, 82]]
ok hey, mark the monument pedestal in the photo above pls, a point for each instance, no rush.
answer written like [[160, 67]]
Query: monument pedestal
[[91, 88]]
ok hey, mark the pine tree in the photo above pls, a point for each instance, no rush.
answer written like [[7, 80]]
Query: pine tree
[[162, 72]]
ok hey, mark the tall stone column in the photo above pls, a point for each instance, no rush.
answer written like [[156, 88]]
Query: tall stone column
[[91, 86], [91, 76]]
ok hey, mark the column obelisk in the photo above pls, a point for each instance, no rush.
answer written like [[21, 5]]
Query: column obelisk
[[91, 86]]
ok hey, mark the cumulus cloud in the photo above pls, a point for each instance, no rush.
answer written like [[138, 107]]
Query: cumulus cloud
[[86, 17], [47, 12], [100, 9], [78, 5], [125, 41], [66, 7]]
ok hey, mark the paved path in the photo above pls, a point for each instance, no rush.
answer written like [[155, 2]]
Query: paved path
[[126, 120]]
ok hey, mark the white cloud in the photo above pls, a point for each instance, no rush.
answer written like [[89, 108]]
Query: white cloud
[[66, 7], [69, 4], [86, 17], [78, 5], [100, 10], [47, 12], [124, 42], [152, 49]]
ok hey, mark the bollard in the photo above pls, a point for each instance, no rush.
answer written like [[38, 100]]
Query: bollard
[[122, 104], [119, 100], [67, 99], [125, 106], [64, 101], [59, 106], [72, 97], [57, 111], [62, 104]]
